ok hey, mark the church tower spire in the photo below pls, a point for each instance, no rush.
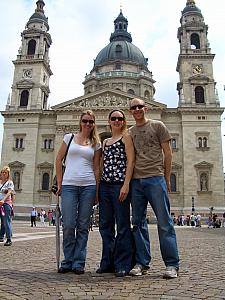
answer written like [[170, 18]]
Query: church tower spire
[[195, 61], [30, 89]]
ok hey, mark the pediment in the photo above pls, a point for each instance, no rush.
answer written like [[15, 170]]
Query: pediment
[[103, 99], [16, 164], [176, 166], [45, 165], [203, 165]]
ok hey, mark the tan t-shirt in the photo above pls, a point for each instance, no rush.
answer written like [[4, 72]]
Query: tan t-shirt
[[147, 140]]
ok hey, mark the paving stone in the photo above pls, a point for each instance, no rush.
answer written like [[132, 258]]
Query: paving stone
[[28, 269]]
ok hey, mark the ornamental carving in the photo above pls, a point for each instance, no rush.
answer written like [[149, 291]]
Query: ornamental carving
[[102, 101], [63, 129]]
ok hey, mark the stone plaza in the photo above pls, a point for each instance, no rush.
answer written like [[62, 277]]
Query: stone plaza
[[28, 268]]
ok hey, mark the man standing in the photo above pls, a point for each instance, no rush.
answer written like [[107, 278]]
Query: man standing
[[151, 184], [33, 217]]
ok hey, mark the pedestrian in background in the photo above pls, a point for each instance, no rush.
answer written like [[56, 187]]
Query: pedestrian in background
[[6, 206], [42, 217], [49, 217], [79, 190], [151, 184], [33, 217], [114, 203]]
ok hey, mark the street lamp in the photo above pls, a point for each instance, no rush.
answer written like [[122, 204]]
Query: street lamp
[[193, 204]]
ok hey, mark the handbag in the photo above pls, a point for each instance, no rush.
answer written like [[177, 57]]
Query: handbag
[[54, 187]]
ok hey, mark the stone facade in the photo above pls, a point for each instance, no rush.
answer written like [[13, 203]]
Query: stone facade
[[33, 132]]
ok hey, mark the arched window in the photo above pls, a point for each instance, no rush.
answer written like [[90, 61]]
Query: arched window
[[147, 95], [16, 180], [118, 50], [31, 47], [19, 143], [45, 182], [45, 144], [173, 183], [24, 98], [205, 142], [195, 41], [118, 67], [49, 144], [200, 142], [130, 91], [174, 144], [199, 94]]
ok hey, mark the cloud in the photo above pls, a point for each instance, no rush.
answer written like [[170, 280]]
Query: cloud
[[81, 28]]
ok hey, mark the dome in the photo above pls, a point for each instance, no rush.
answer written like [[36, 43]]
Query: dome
[[120, 50], [39, 15], [120, 46], [191, 8]]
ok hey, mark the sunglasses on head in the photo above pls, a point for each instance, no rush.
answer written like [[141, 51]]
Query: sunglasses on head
[[117, 118], [139, 106], [85, 121]]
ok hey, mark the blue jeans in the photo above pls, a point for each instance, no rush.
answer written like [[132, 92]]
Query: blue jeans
[[6, 222], [116, 248], [153, 190], [77, 203]]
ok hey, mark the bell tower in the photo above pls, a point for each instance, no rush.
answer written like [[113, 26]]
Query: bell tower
[[30, 88], [195, 62]]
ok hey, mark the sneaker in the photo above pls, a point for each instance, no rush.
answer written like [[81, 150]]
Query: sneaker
[[8, 243], [171, 272], [138, 270], [1, 240]]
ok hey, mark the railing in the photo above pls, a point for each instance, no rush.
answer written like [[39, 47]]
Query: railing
[[33, 56], [118, 74]]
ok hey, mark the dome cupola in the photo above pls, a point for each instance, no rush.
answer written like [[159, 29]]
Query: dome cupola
[[191, 8], [120, 47], [38, 18]]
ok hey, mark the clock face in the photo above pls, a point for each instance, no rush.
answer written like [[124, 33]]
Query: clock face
[[197, 69], [27, 73]]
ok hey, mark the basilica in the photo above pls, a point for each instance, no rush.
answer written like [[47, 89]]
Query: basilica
[[33, 131]]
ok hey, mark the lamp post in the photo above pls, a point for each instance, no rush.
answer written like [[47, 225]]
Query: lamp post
[[193, 204]]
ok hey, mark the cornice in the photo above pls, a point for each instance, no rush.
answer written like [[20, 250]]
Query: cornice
[[26, 112], [204, 110]]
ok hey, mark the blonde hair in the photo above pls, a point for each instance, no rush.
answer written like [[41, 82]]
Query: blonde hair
[[6, 169], [94, 137]]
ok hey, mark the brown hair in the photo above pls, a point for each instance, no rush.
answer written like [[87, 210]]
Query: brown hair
[[124, 127], [94, 137]]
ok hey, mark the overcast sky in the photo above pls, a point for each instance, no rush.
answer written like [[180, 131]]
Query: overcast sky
[[81, 28]]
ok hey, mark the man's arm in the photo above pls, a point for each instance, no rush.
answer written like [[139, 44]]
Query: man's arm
[[167, 162]]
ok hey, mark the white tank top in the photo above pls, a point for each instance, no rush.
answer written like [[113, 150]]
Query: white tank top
[[79, 164]]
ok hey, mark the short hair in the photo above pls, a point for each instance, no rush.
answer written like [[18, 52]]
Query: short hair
[[6, 169]]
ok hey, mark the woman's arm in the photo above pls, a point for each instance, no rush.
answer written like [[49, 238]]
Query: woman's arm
[[8, 194], [129, 149], [58, 165], [96, 168]]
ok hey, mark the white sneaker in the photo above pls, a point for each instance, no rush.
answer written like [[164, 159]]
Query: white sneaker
[[171, 272], [138, 270]]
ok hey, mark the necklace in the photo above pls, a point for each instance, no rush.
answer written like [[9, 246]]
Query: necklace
[[83, 141]]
